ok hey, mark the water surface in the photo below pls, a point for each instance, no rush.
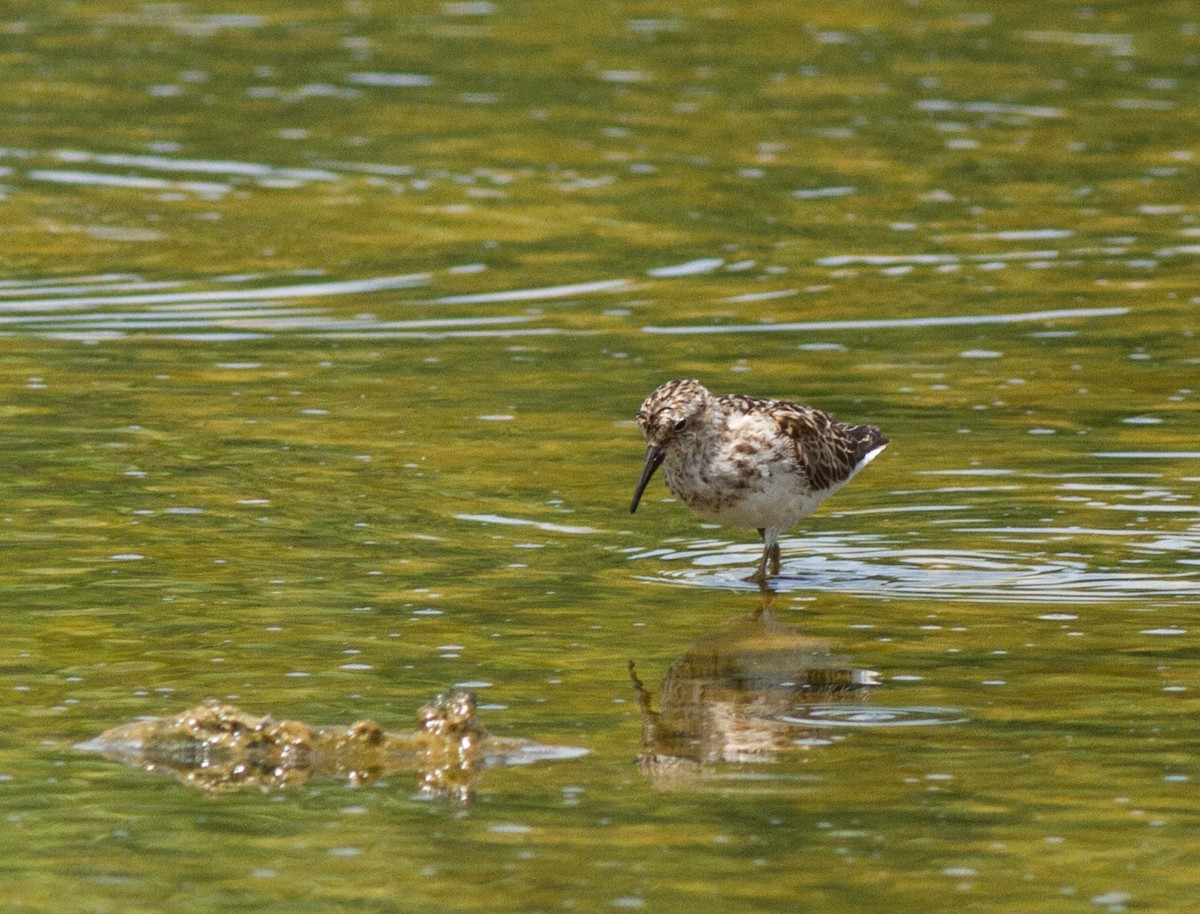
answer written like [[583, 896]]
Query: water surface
[[322, 328]]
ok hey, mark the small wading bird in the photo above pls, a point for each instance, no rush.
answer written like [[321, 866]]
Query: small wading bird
[[745, 462]]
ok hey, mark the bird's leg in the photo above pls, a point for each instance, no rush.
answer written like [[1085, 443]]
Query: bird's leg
[[770, 557], [760, 575]]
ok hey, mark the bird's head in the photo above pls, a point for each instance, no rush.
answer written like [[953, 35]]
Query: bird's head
[[667, 416]]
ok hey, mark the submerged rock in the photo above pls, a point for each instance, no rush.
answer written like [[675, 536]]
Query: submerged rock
[[218, 747]]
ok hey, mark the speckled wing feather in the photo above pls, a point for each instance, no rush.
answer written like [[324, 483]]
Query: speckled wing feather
[[829, 451]]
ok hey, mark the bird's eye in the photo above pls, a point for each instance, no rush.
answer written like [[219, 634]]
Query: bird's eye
[[681, 425]]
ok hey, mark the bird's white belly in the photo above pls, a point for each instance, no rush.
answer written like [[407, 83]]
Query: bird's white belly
[[767, 493], [780, 503]]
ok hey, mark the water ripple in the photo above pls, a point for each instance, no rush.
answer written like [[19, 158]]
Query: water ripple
[[109, 307], [299, 290], [516, 295], [137, 182], [860, 717], [524, 522], [968, 320], [993, 576], [240, 307], [224, 167], [941, 105]]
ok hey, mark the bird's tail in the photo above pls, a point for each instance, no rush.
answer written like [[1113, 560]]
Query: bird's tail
[[868, 441]]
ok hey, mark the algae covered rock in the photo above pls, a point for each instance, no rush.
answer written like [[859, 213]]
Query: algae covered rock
[[218, 747]]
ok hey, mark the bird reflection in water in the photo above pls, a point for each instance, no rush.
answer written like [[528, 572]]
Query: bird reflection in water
[[723, 699]]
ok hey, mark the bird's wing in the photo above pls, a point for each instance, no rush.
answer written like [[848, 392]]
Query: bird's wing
[[829, 451]]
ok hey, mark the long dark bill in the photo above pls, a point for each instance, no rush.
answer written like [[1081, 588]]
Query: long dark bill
[[654, 456]]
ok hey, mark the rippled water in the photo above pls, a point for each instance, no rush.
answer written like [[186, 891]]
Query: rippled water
[[322, 328]]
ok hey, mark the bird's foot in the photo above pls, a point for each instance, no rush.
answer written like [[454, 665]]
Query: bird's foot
[[761, 576]]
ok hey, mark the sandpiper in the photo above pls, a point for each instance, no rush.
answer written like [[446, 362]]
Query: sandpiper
[[747, 462]]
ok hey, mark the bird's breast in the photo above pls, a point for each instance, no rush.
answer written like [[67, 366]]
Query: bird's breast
[[746, 483]]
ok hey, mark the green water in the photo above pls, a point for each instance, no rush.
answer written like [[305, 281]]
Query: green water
[[324, 325]]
